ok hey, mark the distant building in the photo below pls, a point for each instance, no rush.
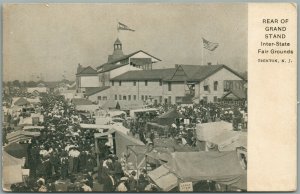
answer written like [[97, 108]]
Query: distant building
[[86, 78], [133, 78], [175, 85], [118, 63]]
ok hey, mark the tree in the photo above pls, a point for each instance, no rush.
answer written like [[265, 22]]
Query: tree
[[31, 84], [16, 83]]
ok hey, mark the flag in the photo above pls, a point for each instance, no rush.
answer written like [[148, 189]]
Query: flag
[[209, 45], [124, 27]]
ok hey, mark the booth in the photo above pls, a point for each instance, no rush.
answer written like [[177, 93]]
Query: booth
[[220, 167], [169, 117]]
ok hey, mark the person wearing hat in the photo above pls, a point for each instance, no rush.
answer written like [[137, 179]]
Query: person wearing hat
[[132, 183], [143, 181], [108, 182], [42, 187], [122, 187], [117, 167], [85, 187]]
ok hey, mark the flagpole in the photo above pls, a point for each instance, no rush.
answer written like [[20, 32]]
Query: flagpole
[[202, 51]]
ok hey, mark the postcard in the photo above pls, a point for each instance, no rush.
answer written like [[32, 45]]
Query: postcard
[[149, 97]]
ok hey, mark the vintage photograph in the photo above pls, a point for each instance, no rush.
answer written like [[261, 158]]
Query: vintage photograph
[[125, 97]]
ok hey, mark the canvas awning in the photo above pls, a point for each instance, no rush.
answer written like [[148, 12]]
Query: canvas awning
[[222, 167], [12, 169], [206, 131], [20, 135], [221, 134], [16, 150], [168, 117]]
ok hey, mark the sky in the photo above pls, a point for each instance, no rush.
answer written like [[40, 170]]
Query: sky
[[49, 40]]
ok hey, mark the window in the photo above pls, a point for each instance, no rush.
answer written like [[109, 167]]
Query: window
[[205, 98], [112, 83], [120, 83], [178, 99], [134, 83], [99, 97], [160, 99], [142, 97], [215, 99], [116, 97], [124, 97], [146, 97], [104, 97], [169, 86], [215, 85], [146, 83], [206, 88], [129, 97], [160, 83], [120, 97], [134, 97], [169, 100]]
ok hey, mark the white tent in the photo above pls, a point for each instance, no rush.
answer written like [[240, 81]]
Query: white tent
[[12, 170]]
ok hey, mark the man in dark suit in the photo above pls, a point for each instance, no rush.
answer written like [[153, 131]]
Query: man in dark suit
[[108, 183]]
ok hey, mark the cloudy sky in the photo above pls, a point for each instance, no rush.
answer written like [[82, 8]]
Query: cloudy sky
[[51, 40]]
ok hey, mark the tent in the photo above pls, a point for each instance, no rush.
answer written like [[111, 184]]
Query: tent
[[123, 140], [230, 140], [16, 150], [12, 170], [169, 117], [21, 102], [206, 131], [221, 134], [222, 167]]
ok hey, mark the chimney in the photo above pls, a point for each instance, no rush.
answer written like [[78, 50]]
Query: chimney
[[209, 63]]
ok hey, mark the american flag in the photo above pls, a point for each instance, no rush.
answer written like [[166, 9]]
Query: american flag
[[209, 45]]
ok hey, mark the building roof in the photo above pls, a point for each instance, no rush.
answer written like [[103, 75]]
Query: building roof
[[109, 67], [235, 94], [180, 73], [81, 101], [125, 57], [197, 72], [92, 91], [21, 101], [118, 41], [155, 74], [87, 71]]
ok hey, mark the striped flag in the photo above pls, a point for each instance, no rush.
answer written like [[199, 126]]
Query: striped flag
[[124, 27], [209, 45]]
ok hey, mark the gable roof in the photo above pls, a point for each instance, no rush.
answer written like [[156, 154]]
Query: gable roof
[[92, 91], [87, 71], [109, 67], [126, 57], [154, 74], [180, 73], [239, 94], [21, 101], [197, 72]]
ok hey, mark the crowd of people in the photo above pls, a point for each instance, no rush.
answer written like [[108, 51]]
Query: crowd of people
[[195, 114], [65, 154]]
